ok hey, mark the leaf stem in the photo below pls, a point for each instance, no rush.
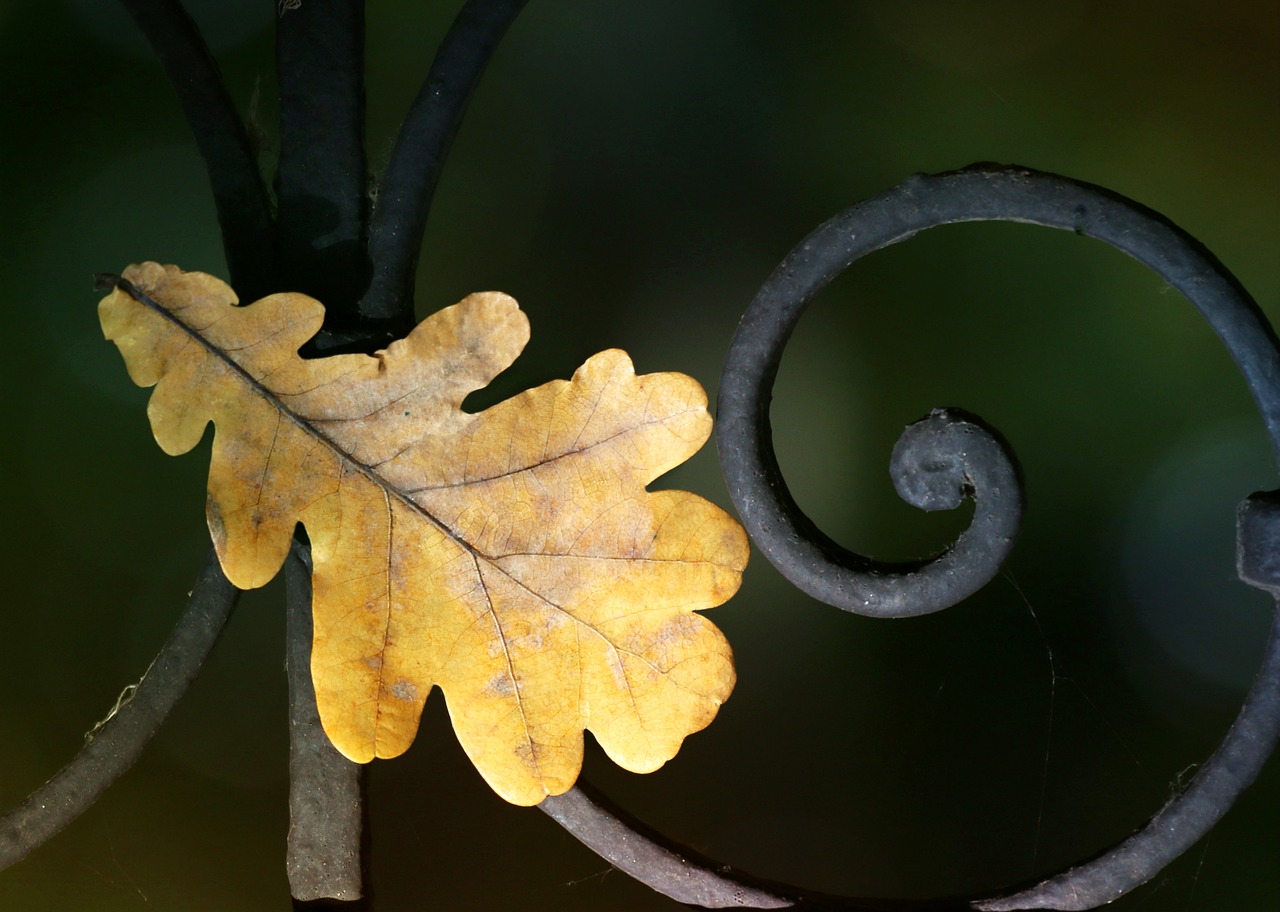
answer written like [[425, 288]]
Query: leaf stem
[[404, 197], [118, 741]]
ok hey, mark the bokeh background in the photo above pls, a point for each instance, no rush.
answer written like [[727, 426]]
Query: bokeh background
[[631, 172]]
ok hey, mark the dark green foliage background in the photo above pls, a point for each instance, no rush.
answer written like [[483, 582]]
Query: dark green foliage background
[[631, 172]]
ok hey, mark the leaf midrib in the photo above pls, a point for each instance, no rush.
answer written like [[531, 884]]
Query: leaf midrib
[[366, 470], [307, 427]]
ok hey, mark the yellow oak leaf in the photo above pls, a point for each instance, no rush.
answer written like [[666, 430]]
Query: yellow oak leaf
[[512, 557]]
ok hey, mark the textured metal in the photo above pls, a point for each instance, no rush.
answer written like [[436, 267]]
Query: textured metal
[[326, 790], [1258, 541], [632, 847]]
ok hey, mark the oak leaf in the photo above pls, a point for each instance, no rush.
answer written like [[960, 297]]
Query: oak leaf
[[513, 557]]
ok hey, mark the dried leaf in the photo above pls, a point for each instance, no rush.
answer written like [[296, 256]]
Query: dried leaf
[[511, 557]]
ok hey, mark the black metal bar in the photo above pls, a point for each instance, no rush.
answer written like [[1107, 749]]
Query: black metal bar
[[323, 208], [320, 182], [117, 742], [938, 462], [326, 790], [244, 211], [404, 196]]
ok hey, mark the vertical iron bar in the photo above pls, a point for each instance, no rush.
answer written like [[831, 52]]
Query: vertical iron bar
[[325, 789], [321, 203], [320, 181]]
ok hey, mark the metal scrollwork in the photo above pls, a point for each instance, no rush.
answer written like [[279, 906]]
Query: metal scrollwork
[[937, 461]]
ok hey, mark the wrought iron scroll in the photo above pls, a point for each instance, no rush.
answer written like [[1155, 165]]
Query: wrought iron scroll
[[945, 456]]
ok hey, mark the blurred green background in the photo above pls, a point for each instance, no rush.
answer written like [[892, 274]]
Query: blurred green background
[[631, 172]]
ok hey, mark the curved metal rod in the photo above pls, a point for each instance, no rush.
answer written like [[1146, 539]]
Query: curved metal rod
[[636, 849], [1011, 194], [118, 741], [938, 462], [687, 876], [1232, 768], [1184, 820], [244, 212], [404, 196], [789, 539]]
